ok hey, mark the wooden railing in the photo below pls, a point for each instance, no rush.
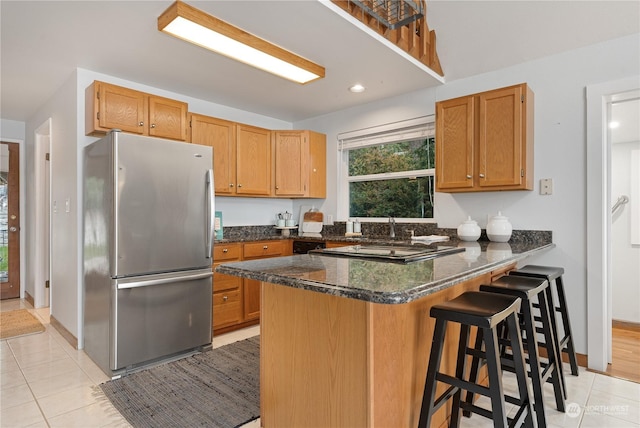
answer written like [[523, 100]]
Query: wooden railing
[[415, 38]]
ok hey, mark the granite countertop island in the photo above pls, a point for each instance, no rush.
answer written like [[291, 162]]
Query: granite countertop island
[[383, 282], [345, 342]]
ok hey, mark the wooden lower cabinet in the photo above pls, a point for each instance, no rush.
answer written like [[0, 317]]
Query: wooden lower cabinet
[[331, 361], [227, 290], [236, 301]]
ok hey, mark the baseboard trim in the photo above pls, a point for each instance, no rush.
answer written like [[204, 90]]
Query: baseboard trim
[[68, 336], [29, 298], [582, 359], [626, 325]]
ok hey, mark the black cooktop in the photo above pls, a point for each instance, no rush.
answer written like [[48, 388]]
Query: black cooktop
[[388, 253]]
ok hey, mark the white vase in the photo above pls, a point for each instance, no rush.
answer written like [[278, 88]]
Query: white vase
[[499, 229], [469, 230]]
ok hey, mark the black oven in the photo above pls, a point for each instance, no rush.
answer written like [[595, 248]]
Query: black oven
[[303, 247]]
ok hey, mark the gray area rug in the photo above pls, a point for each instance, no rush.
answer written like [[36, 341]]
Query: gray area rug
[[218, 388]]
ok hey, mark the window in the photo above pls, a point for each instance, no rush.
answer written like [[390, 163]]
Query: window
[[389, 170]]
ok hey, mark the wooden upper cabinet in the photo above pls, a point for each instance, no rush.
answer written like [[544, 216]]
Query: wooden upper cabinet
[[114, 107], [167, 118], [221, 136], [455, 139], [110, 106], [253, 161], [300, 164], [484, 142]]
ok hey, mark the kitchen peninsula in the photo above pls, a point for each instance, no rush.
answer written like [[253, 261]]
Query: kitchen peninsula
[[345, 342]]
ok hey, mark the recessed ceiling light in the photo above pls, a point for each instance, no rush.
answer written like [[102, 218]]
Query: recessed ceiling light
[[357, 88], [614, 124]]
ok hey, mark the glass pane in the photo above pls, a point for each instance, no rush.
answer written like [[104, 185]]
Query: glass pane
[[404, 198], [393, 157], [4, 233]]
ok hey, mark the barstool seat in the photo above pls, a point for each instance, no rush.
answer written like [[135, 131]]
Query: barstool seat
[[532, 291], [485, 311], [554, 276]]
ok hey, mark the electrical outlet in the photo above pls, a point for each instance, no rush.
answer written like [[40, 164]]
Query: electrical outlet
[[67, 205], [546, 186]]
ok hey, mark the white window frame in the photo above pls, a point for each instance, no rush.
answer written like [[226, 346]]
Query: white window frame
[[412, 129]]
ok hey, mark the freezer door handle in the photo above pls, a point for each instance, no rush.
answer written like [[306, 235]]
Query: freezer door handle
[[211, 213], [159, 281]]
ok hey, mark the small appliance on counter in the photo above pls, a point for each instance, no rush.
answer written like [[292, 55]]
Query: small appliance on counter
[[312, 223]]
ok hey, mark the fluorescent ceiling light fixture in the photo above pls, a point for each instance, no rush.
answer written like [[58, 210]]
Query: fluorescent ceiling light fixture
[[193, 25]]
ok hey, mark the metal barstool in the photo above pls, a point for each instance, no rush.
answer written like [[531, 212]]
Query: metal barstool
[[529, 289], [554, 276], [486, 311]]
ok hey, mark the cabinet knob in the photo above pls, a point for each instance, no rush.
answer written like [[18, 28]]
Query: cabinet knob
[[141, 124], [277, 187], [225, 298], [239, 185], [468, 176], [225, 250], [481, 175], [265, 247], [230, 184], [153, 125]]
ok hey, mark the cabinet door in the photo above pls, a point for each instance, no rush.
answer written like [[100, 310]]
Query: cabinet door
[[251, 299], [454, 143], [291, 159], [253, 163], [167, 118], [221, 135], [120, 108], [500, 143], [227, 308]]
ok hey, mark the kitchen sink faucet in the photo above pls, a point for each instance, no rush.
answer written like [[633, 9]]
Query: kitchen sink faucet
[[392, 227]]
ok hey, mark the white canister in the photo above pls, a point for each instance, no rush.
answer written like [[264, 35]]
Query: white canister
[[469, 230], [349, 226], [499, 229], [356, 226]]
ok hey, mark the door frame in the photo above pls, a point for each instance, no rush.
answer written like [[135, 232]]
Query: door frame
[[42, 252], [598, 97]]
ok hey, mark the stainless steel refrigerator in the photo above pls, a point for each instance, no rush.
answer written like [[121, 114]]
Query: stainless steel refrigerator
[[148, 240]]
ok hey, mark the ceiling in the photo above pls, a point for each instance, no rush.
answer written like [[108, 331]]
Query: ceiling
[[41, 43]]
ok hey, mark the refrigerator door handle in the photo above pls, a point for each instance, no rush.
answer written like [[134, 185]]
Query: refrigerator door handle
[[211, 213], [159, 281]]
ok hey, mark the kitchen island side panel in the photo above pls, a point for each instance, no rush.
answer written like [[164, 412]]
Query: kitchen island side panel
[[333, 361], [313, 359]]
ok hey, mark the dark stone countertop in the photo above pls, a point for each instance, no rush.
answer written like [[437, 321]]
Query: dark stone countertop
[[383, 282]]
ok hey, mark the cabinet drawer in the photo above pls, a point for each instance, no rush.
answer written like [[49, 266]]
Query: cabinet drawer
[[265, 249], [225, 252], [227, 308], [225, 282]]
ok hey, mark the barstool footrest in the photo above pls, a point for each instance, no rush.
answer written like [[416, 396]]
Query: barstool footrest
[[463, 384], [444, 397]]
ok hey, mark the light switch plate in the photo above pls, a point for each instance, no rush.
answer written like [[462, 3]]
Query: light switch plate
[[546, 186]]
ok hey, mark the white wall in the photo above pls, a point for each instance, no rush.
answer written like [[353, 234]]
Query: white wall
[[559, 85], [625, 257], [11, 129], [61, 108]]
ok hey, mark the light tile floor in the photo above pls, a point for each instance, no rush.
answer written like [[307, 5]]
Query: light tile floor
[[44, 382]]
